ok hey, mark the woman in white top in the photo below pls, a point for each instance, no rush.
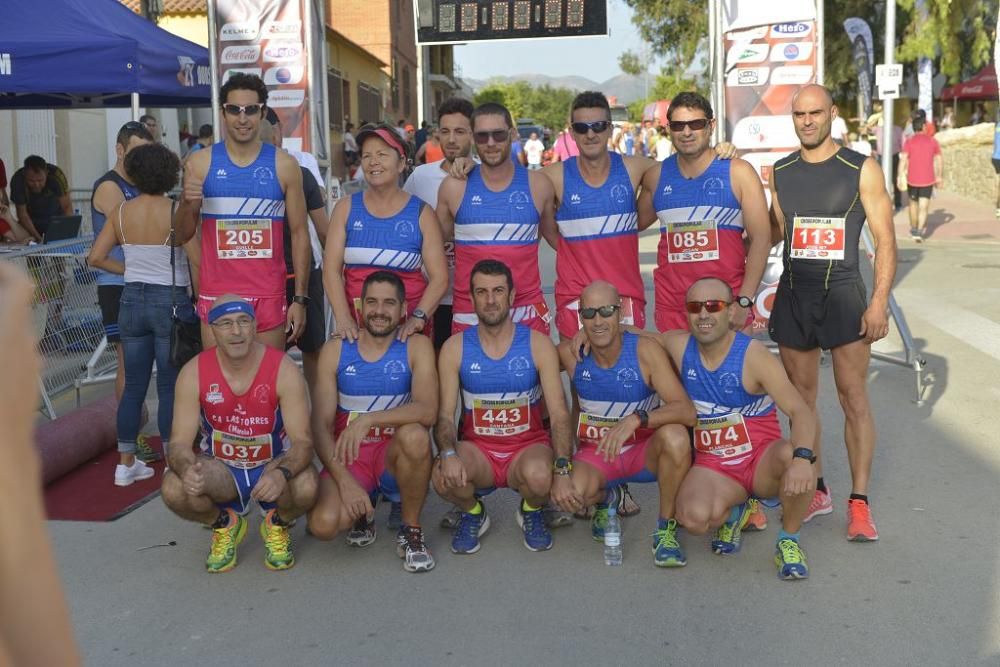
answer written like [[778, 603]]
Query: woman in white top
[[142, 227]]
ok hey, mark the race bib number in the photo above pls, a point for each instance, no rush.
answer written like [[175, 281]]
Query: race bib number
[[244, 239], [725, 436], [449, 255], [501, 418], [627, 312], [817, 238], [692, 241], [591, 428], [375, 433], [241, 452]]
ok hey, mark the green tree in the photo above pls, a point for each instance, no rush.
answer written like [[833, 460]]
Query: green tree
[[545, 105]]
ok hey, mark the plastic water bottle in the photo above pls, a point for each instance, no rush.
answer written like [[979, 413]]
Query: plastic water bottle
[[613, 538]]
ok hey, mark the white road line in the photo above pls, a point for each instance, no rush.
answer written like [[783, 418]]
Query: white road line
[[972, 329]]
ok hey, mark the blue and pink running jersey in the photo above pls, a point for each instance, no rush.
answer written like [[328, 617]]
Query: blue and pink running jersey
[[371, 386]]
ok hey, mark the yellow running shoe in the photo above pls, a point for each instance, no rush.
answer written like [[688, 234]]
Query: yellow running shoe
[[222, 557], [757, 519], [277, 543]]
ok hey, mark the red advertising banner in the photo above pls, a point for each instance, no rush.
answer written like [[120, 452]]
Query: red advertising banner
[[268, 38], [764, 66]]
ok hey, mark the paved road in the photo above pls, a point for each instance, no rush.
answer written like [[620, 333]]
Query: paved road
[[926, 594]]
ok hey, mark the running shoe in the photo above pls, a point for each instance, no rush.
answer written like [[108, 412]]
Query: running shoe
[[536, 534], [627, 506], [144, 452], [222, 556], [410, 546], [727, 537], [363, 533], [667, 550], [468, 531], [395, 520], [916, 236], [598, 522], [821, 503], [791, 560], [757, 520], [127, 475], [277, 544], [860, 526]]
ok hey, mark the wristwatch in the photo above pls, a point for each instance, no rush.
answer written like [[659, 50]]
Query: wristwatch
[[744, 301], [284, 471], [643, 418], [420, 315], [298, 298], [562, 466], [804, 453]]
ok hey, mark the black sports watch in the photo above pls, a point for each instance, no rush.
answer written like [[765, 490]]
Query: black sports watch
[[284, 471], [744, 301], [420, 315], [298, 298], [562, 466], [804, 453], [643, 418]]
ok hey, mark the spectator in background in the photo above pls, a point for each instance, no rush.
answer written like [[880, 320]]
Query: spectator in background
[[422, 135], [152, 125], [663, 148], [410, 135], [400, 128], [205, 138], [39, 192], [142, 226], [8, 227], [858, 145], [978, 114], [431, 151], [838, 131], [921, 167], [533, 149], [350, 146], [996, 162], [897, 144], [947, 119], [516, 148], [565, 146], [626, 142]]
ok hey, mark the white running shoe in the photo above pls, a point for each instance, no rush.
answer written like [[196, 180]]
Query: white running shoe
[[125, 475]]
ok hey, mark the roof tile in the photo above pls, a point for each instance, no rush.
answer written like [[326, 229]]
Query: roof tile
[[173, 6]]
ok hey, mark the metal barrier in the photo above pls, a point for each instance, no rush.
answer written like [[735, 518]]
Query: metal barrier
[[66, 316]]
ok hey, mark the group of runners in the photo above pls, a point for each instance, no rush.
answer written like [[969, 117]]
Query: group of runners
[[441, 327]]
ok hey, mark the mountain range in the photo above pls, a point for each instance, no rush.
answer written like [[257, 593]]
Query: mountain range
[[625, 87]]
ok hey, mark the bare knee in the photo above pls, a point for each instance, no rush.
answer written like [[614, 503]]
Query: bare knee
[[672, 441], [536, 476], [854, 402], [414, 442], [326, 521], [304, 487], [694, 515], [172, 490]]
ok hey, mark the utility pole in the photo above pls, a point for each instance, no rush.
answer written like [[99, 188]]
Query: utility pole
[[887, 103]]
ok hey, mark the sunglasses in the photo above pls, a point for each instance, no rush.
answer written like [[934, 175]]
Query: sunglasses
[[696, 124], [237, 109], [498, 136], [133, 125], [603, 311], [598, 126], [712, 306]]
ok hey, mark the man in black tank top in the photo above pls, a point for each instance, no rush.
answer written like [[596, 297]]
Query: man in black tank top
[[820, 199]]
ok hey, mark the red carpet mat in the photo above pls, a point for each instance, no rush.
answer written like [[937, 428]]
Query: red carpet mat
[[88, 493]]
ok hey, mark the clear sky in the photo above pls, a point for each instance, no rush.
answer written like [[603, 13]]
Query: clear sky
[[593, 57]]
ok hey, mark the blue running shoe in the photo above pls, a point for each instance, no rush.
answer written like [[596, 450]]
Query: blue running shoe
[[667, 550], [727, 537], [791, 560], [536, 534], [468, 531]]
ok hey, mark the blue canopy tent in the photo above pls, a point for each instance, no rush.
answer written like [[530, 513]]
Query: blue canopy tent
[[95, 53]]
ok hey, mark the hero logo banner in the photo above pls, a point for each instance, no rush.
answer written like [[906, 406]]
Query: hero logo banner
[[267, 38]]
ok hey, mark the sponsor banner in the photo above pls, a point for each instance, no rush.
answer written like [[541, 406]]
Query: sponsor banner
[[742, 14], [746, 53], [860, 35], [267, 38], [796, 30], [748, 76], [786, 52], [925, 83]]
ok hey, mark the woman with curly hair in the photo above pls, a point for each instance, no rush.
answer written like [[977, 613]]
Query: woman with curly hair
[[141, 226]]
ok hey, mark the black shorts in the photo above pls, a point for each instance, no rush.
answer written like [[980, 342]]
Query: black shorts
[[442, 325], [314, 335], [923, 192], [109, 299], [805, 319], [996, 165]]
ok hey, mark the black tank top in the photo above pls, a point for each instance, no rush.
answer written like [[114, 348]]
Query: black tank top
[[821, 202]]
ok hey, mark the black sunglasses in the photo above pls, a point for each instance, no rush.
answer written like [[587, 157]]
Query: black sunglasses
[[696, 124], [237, 109], [603, 311], [598, 126], [499, 136]]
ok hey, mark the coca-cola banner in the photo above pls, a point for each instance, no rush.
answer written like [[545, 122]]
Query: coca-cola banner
[[268, 38]]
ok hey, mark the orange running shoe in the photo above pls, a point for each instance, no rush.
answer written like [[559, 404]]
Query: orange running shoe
[[757, 520], [821, 504], [860, 526]]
